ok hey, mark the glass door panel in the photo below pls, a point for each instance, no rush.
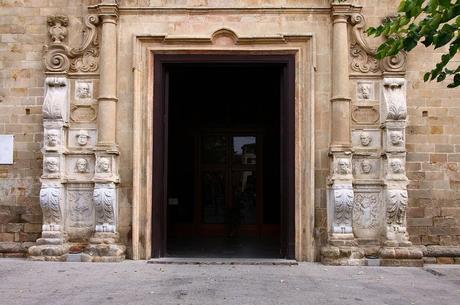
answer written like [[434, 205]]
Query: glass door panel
[[244, 150], [214, 149]]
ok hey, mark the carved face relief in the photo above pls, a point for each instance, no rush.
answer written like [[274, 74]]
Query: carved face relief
[[83, 90], [103, 165], [82, 137], [51, 164], [396, 166], [52, 138], [364, 91], [396, 138], [366, 167], [365, 138], [343, 167], [81, 166]]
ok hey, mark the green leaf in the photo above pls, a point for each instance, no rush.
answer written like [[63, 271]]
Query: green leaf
[[426, 77]]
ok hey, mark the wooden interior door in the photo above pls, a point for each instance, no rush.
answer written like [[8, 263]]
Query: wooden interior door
[[229, 183]]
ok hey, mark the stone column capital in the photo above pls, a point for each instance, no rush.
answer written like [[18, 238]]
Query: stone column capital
[[108, 12], [343, 9]]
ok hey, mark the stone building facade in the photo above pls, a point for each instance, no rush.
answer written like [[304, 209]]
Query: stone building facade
[[375, 150]]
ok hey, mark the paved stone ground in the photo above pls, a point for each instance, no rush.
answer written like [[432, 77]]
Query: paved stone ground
[[136, 282]]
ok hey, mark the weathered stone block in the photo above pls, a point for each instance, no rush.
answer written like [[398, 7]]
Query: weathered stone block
[[445, 260]]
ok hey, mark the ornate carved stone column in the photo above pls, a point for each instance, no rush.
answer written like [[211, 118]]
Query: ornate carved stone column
[[52, 245], [104, 243], [341, 248], [397, 248]]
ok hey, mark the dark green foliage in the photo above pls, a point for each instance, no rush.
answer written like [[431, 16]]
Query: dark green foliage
[[433, 23]]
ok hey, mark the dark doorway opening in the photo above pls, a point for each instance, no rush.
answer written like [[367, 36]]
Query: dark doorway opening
[[227, 156]]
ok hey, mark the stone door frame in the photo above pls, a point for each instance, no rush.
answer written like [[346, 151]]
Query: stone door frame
[[224, 42]]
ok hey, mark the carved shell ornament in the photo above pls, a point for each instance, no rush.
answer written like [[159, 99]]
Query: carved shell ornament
[[363, 57], [60, 57]]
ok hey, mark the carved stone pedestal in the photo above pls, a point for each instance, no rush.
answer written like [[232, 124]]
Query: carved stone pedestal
[[401, 256], [52, 246], [103, 247], [343, 251]]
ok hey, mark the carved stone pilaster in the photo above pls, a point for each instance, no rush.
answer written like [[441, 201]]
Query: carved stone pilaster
[[105, 203], [52, 245], [342, 200], [394, 107], [104, 245]]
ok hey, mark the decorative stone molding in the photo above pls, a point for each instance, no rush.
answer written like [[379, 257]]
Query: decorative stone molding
[[365, 114], [105, 204], [394, 99], [363, 58], [55, 104], [60, 57], [83, 113]]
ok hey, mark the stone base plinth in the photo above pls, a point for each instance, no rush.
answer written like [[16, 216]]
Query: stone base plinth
[[103, 247], [401, 256], [50, 247], [342, 252]]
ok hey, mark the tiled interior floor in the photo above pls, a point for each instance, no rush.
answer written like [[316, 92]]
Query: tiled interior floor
[[224, 247]]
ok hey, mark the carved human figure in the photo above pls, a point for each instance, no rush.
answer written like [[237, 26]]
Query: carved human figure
[[52, 138], [52, 164], [81, 166], [103, 165], [396, 166], [83, 90], [396, 138], [343, 167], [365, 139], [366, 167], [364, 91], [82, 137]]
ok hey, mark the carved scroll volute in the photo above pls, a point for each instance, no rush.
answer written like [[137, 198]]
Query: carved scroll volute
[[60, 57], [363, 57]]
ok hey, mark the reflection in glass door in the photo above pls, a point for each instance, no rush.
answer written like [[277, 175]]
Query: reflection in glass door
[[230, 194]]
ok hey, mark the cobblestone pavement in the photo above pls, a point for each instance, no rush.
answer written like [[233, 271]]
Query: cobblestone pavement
[[136, 282]]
